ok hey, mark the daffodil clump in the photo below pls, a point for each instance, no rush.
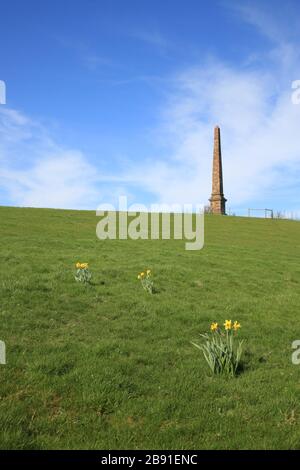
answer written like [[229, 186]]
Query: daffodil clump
[[219, 349], [82, 273], [146, 280]]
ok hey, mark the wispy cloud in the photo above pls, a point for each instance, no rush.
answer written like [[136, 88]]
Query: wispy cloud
[[94, 61], [152, 38], [36, 171], [87, 55], [64, 180], [274, 20]]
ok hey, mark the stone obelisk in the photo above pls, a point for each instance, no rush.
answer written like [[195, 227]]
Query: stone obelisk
[[217, 200]]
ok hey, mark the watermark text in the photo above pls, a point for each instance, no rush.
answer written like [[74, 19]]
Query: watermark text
[[162, 221], [2, 352], [2, 92], [296, 93]]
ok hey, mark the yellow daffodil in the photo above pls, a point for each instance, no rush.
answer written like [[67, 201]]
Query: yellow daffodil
[[142, 274], [236, 326], [84, 265], [228, 325], [214, 326], [148, 272], [77, 265], [139, 276]]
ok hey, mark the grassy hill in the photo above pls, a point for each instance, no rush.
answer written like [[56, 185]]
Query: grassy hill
[[110, 366]]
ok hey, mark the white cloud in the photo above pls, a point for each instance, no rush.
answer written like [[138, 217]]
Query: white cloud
[[36, 172], [63, 180]]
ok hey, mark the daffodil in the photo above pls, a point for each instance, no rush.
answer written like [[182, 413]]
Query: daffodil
[[236, 326], [146, 281], [228, 324], [83, 274], [214, 326]]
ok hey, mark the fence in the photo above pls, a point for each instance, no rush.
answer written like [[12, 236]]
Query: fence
[[269, 214]]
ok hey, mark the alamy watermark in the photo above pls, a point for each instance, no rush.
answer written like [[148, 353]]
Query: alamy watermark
[[161, 221], [296, 94], [2, 353], [296, 353], [2, 101], [2, 92]]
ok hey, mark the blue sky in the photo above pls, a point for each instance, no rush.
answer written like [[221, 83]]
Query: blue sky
[[112, 97]]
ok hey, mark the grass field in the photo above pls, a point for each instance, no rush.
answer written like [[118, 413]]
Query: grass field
[[110, 366]]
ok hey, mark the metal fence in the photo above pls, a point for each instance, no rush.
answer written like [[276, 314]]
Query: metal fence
[[268, 213]]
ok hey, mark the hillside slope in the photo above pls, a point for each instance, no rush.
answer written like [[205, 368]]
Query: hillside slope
[[109, 366]]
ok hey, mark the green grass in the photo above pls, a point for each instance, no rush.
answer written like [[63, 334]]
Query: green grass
[[110, 366]]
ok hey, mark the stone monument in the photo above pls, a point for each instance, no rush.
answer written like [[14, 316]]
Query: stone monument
[[217, 200]]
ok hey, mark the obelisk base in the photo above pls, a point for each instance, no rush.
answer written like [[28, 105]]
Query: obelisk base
[[217, 204]]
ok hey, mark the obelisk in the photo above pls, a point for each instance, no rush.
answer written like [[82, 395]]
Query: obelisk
[[217, 200]]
